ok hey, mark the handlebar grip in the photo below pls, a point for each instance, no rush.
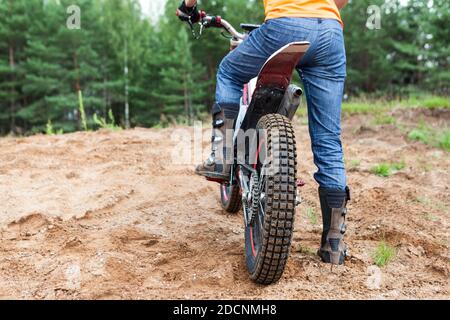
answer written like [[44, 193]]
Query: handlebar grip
[[217, 21], [213, 21]]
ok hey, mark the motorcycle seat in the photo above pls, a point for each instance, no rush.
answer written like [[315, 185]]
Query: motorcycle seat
[[249, 27]]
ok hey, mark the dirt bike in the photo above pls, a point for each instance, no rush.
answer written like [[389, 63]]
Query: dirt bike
[[263, 178]]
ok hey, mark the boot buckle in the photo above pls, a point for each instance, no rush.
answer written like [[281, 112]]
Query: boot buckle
[[218, 123], [211, 160]]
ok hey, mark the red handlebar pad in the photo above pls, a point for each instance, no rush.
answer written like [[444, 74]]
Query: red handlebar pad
[[213, 21], [216, 21]]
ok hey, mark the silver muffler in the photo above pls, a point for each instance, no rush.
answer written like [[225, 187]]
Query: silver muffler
[[291, 101]]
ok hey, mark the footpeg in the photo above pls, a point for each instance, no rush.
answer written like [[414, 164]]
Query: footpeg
[[298, 199]]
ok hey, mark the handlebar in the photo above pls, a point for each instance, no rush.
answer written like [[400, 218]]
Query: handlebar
[[209, 21]]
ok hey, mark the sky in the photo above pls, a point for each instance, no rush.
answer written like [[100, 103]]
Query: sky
[[152, 6]]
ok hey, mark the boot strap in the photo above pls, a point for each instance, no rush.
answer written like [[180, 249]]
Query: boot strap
[[218, 123], [335, 245]]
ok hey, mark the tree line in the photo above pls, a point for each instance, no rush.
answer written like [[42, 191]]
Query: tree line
[[121, 65]]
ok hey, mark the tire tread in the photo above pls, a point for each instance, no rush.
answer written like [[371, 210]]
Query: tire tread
[[280, 207]]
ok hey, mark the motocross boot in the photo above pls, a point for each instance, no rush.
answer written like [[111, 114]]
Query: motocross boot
[[334, 209], [218, 165]]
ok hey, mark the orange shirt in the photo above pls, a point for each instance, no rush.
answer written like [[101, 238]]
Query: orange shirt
[[302, 9]]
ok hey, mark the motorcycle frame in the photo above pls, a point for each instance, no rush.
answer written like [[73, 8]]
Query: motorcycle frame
[[272, 81], [269, 92]]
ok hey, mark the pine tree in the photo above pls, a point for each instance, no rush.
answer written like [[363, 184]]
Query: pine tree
[[212, 47], [125, 45], [148, 107], [366, 50], [45, 85], [181, 86], [437, 40], [407, 45], [81, 61], [13, 28], [119, 61], [62, 67]]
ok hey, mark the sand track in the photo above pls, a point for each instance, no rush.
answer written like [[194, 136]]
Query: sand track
[[105, 215]]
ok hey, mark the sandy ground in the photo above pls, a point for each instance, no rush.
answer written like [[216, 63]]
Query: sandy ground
[[106, 215]]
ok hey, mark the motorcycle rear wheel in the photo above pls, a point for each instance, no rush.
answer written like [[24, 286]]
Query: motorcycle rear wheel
[[269, 235]]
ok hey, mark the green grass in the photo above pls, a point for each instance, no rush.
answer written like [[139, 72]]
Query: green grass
[[311, 215], [437, 102], [383, 254], [444, 140], [82, 111], [439, 138], [306, 250], [379, 106], [105, 124], [363, 107], [384, 119], [387, 169], [426, 101], [420, 134], [355, 163], [397, 166], [382, 170], [50, 130], [368, 106]]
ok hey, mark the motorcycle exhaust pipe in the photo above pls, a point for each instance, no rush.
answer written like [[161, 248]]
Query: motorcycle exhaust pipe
[[291, 101]]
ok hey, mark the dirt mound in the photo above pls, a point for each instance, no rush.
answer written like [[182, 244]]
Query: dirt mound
[[106, 215]]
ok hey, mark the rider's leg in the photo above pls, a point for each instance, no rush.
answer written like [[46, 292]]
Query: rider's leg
[[237, 68], [323, 73], [217, 166]]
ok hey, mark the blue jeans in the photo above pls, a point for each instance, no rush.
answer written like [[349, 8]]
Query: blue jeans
[[323, 72]]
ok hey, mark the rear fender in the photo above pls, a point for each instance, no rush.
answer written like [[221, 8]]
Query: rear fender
[[273, 81], [277, 71]]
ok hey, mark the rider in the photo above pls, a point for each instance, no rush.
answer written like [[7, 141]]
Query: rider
[[323, 72]]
